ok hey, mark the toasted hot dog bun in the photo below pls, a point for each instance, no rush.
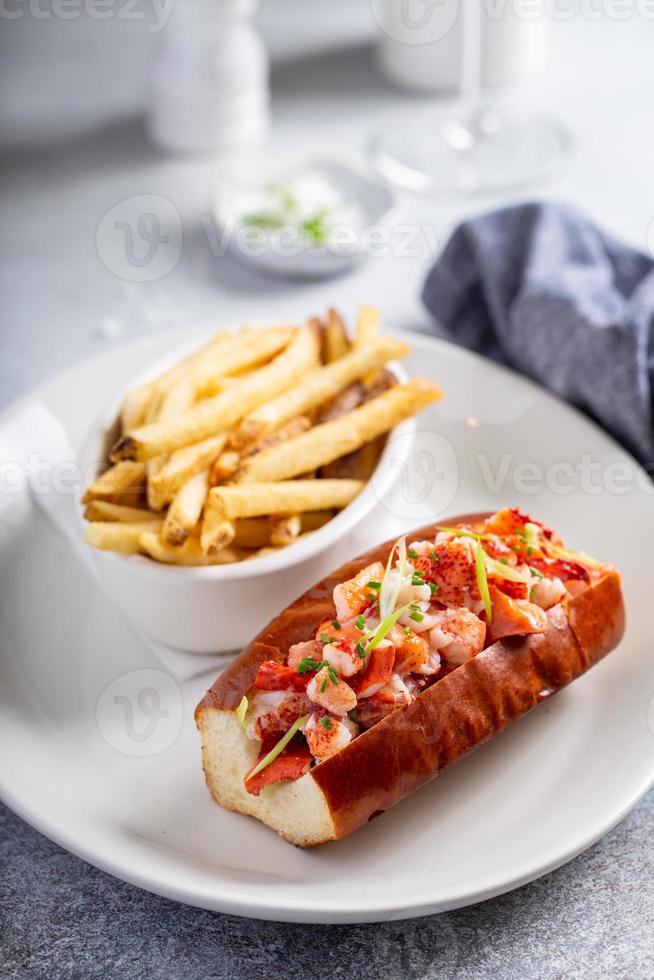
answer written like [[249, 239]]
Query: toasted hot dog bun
[[412, 745]]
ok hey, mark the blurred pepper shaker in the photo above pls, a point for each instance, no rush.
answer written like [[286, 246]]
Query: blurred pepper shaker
[[209, 83], [420, 42]]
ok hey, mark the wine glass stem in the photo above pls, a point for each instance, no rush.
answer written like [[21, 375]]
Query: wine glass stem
[[471, 51]]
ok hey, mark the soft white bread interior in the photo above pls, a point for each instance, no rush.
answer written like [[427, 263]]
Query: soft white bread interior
[[297, 809]]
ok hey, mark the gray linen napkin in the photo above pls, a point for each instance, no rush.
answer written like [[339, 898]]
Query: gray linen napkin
[[542, 289]]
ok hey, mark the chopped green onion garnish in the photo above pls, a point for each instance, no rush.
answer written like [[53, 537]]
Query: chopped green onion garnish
[[560, 552], [390, 587], [504, 561], [323, 685], [482, 581], [532, 534], [374, 585], [433, 588], [268, 221], [325, 721], [336, 624], [326, 638], [416, 615], [532, 593], [465, 534], [360, 649], [280, 746], [360, 622], [534, 571], [434, 556], [417, 579], [309, 664], [412, 554], [241, 711], [408, 630], [384, 627], [504, 571]]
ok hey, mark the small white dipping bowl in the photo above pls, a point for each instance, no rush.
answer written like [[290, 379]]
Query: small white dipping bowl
[[212, 609]]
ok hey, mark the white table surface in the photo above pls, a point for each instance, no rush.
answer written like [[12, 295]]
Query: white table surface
[[60, 303]]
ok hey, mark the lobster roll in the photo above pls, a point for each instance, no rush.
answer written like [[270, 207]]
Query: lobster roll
[[398, 664]]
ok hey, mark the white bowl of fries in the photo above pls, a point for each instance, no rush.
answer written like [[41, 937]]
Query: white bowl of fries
[[236, 474]]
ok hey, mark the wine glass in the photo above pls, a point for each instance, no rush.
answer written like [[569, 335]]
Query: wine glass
[[477, 147]]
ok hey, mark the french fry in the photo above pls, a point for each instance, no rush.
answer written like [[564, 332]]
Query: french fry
[[186, 509], [284, 529], [115, 536], [366, 330], [345, 401], [254, 350], [189, 553], [225, 466], [106, 510], [335, 341], [253, 500], [135, 407], [318, 386], [327, 442], [137, 403], [183, 464], [251, 532], [224, 410], [286, 431], [135, 497], [313, 520], [208, 387], [367, 327], [254, 532], [224, 354], [115, 481], [217, 533], [221, 527], [359, 465], [177, 399]]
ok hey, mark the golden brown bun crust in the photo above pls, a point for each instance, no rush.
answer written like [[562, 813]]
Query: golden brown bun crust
[[455, 715]]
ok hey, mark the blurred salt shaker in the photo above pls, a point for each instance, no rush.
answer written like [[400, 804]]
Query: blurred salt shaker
[[420, 42], [209, 84]]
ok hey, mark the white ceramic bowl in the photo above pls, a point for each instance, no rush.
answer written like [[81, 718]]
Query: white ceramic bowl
[[374, 201], [218, 608]]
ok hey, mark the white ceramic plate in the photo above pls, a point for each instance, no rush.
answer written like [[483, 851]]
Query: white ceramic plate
[[98, 749]]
